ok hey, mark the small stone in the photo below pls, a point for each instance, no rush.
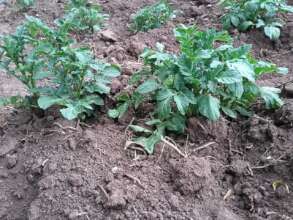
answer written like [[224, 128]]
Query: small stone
[[18, 194], [7, 145], [290, 27], [136, 47], [11, 161], [116, 86], [108, 35], [72, 143], [3, 174], [73, 215], [34, 212], [52, 167], [131, 67], [75, 180], [288, 90]]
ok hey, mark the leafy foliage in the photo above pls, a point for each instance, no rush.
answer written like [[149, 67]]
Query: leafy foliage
[[152, 16], [204, 79], [246, 14], [74, 79], [83, 16], [24, 4]]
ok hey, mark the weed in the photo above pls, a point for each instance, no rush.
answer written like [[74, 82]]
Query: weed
[[152, 16], [247, 14], [204, 79]]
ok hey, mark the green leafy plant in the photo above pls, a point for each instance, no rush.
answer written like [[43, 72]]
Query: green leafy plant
[[54, 70], [24, 4], [83, 16], [247, 14], [152, 16], [209, 78]]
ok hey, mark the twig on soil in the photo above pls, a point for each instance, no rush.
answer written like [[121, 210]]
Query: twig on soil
[[104, 191], [135, 180], [127, 127], [204, 146], [129, 144], [65, 128], [284, 217], [168, 143], [163, 148], [228, 194], [186, 144]]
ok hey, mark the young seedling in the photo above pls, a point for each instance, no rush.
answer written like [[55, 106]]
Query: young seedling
[[83, 16], [209, 77], [151, 17], [263, 14]]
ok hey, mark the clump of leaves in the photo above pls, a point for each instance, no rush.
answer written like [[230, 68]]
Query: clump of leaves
[[74, 79], [151, 17], [24, 4], [209, 77], [83, 16], [247, 14]]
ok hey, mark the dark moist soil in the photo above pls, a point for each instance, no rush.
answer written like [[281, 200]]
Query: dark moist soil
[[54, 169]]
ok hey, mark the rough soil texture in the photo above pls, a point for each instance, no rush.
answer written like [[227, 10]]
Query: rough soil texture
[[52, 169]]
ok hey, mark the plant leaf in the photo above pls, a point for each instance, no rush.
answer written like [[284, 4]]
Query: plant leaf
[[45, 102], [209, 107], [271, 97], [148, 86], [272, 32]]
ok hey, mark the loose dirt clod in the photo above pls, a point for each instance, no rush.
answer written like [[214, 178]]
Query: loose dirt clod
[[190, 176]]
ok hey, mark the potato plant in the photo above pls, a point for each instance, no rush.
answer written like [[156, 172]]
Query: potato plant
[[263, 14], [81, 16], [151, 17], [73, 79], [209, 77]]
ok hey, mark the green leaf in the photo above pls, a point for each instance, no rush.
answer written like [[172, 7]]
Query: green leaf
[[111, 71], [260, 23], [137, 128], [272, 32], [245, 25], [229, 112], [271, 97], [164, 94], [182, 103], [153, 122], [118, 112], [282, 70], [176, 123], [235, 21], [164, 108], [209, 107], [70, 113], [243, 111], [229, 77], [41, 75], [243, 68], [113, 113], [148, 143], [148, 86], [45, 102], [237, 89]]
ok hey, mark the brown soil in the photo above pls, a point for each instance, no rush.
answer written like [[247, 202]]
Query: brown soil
[[54, 169]]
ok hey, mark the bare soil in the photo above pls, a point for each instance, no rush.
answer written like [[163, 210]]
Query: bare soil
[[53, 169]]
